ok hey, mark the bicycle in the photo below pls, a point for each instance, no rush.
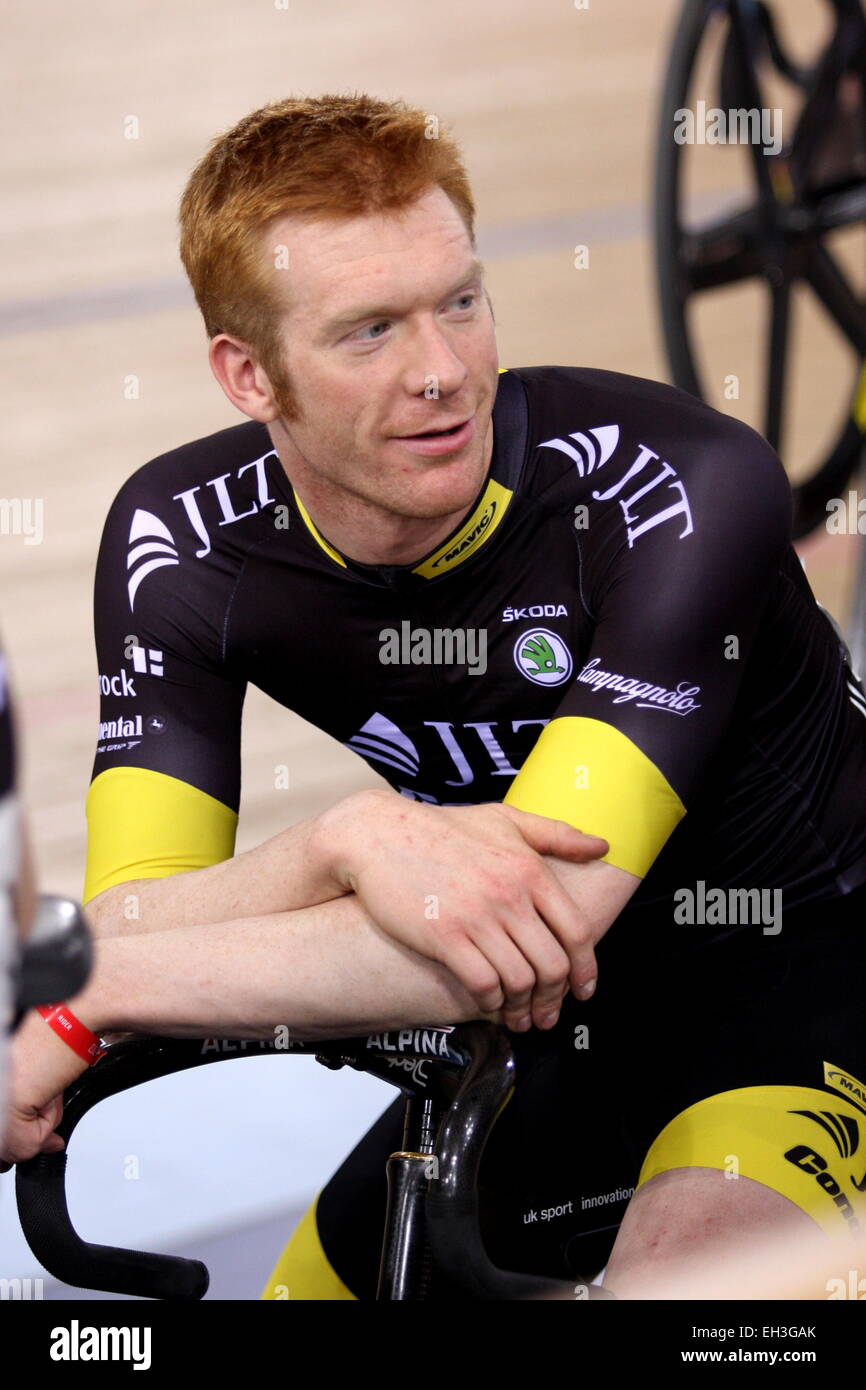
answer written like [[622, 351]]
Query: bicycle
[[811, 188], [456, 1080]]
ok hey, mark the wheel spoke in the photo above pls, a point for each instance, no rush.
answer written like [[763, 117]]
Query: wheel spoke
[[842, 54], [745, 38], [835, 293], [842, 206], [721, 252], [777, 354]]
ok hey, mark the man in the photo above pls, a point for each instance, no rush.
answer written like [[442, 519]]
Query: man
[[616, 558]]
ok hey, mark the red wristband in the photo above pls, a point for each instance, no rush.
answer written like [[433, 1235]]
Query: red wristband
[[73, 1032]]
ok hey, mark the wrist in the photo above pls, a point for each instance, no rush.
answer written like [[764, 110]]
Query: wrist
[[71, 1030], [334, 837], [92, 1004], [41, 1061]]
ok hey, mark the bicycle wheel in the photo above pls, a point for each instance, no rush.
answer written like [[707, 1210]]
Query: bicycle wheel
[[788, 222]]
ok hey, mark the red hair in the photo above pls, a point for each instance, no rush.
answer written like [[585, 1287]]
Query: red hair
[[327, 156]]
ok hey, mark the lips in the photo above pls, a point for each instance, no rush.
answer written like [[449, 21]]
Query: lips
[[430, 445], [433, 431]]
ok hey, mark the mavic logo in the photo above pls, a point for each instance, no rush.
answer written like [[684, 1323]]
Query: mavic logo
[[471, 538], [587, 453], [384, 742], [843, 1081], [152, 546]]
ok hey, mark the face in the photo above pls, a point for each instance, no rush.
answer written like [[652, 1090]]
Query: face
[[388, 333]]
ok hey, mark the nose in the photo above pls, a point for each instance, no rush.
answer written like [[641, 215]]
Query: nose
[[434, 366]]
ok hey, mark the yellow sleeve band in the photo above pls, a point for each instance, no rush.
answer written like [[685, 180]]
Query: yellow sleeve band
[[587, 773], [143, 824]]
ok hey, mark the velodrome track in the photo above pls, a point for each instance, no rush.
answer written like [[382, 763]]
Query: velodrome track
[[555, 107]]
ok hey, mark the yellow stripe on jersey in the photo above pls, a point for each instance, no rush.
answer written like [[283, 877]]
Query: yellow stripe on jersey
[[303, 1272], [143, 824], [473, 533], [587, 773], [328, 549]]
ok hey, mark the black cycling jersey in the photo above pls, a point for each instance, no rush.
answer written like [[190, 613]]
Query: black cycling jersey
[[618, 633]]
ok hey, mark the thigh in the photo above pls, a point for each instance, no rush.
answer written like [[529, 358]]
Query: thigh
[[759, 1063]]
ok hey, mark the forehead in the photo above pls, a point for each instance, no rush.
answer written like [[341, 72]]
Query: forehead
[[333, 263]]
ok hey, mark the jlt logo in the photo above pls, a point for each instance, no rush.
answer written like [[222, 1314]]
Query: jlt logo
[[228, 513], [591, 454], [380, 740], [151, 543], [654, 518]]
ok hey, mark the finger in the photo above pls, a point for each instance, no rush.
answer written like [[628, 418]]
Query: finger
[[548, 836], [514, 971], [44, 1136], [470, 966], [548, 959], [558, 911], [52, 1110]]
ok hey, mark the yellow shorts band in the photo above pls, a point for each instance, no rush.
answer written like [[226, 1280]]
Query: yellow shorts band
[[803, 1143], [144, 824], [303, 1270], [590, 775]]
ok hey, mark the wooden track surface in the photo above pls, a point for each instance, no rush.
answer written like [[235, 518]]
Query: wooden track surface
[[555, 108]]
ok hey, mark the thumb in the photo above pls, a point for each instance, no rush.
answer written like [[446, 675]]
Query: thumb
[[548, 836], [49, 1142]]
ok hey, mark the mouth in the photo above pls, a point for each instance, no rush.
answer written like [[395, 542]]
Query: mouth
[[436, 433], [445, 440]]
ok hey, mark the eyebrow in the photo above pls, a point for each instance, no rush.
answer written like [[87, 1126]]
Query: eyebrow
[[368, 311]]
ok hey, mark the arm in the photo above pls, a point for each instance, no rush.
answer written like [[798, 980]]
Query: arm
[[280, 875], [324, 971], [676, 608]]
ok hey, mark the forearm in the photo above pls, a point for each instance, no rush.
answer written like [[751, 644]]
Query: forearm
[[599, 890], [324, 971], [292, 870]]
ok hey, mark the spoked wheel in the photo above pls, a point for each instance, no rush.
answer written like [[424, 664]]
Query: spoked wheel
[[773, 209]]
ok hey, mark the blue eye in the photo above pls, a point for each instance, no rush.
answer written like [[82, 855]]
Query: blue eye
[[374, 325], [361, 333]]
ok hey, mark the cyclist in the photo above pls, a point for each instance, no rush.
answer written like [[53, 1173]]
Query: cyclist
[[617, 558]]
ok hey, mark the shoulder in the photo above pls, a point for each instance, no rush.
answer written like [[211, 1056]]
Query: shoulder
[[198, 462], [599, 428], [190, 516], [203, 496], [578, 398]]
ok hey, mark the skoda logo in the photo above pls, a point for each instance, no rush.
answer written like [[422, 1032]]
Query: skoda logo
[[543, 657]]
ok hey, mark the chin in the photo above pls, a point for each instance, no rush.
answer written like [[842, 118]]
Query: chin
[[448, 488]]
